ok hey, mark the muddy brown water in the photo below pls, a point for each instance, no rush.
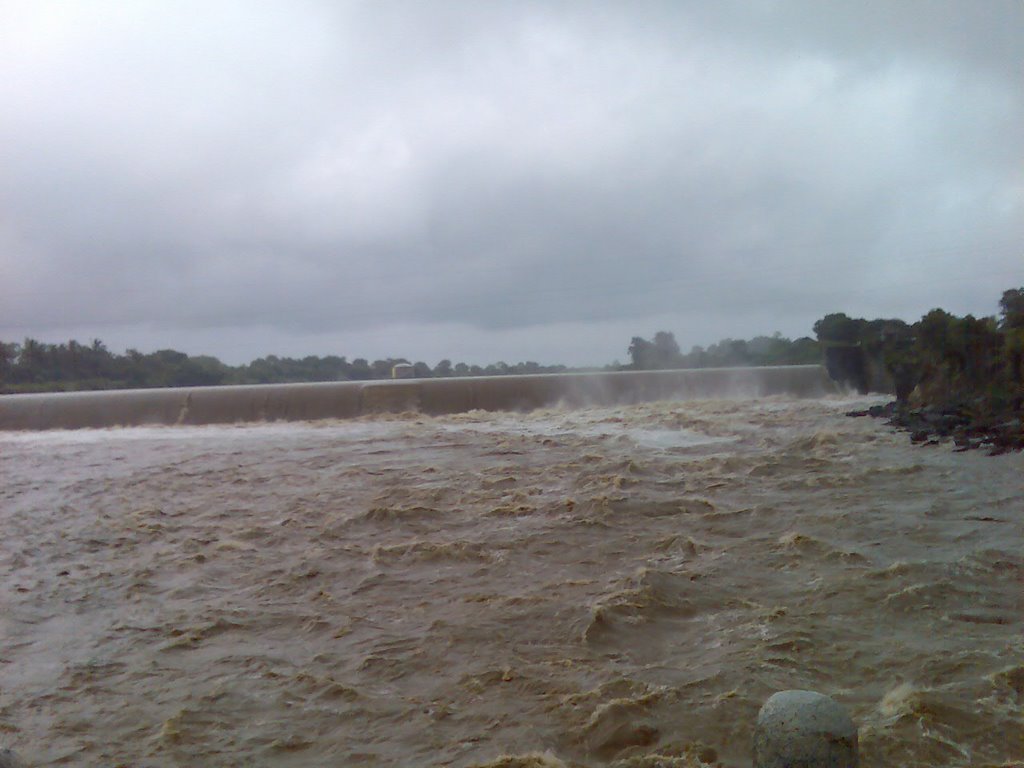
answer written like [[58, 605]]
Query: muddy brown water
[[616, 586]]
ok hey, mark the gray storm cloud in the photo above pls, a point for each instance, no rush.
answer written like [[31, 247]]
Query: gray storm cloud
[[459, 172]]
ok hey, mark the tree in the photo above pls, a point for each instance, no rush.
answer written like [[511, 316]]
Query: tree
[[443, 368], [697, 357], [201, 371], [32, 362], [641, 353], [1011, 307], [662, 352], [738, 354], [838, 327], [934, 333], [382, 368], [331, 368], [804, 351], [360, 370], [666, 350], [8, 357]]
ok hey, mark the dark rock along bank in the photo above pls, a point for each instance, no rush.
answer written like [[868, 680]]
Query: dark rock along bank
[[933, 425]]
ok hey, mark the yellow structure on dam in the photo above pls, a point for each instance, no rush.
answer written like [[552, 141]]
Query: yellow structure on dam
[[340, 400]]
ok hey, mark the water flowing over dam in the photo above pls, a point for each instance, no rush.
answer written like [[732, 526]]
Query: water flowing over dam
[[608, 586], [304, 402]]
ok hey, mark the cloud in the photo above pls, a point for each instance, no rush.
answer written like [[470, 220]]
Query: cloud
[[503, 170]]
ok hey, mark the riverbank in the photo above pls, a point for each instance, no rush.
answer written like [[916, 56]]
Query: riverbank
[[934, 425]]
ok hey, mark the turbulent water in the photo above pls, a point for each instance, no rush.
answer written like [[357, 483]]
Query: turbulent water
[[614, 586]]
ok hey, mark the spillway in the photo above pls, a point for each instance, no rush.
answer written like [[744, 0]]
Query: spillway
[[341, 400]]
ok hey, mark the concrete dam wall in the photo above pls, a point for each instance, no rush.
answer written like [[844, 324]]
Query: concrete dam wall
[[341, 400]]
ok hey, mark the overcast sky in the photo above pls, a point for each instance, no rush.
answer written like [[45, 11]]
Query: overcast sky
[[511, 181]]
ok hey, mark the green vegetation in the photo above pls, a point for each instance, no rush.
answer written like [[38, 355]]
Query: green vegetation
[[974, 365], [33, 366], [958, 377], [663, 352], [941, 358]]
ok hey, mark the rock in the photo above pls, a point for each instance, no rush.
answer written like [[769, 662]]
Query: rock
[[969, 430], [804, 729], [919, 436]]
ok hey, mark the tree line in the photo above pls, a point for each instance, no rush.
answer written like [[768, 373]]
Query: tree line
[[662, 352], [34, 366], [976, 361], [941, 353]]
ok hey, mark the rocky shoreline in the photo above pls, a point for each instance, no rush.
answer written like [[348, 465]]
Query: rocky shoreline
[[935, 425]]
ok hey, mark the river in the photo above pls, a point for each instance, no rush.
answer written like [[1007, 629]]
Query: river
[[615, 586]]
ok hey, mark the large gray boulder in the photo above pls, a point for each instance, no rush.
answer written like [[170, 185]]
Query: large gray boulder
[[804, 729]]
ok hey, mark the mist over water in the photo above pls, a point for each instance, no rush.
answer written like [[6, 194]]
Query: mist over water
[[602, 585]]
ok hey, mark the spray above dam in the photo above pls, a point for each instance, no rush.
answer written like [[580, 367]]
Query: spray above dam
[[341, 400]]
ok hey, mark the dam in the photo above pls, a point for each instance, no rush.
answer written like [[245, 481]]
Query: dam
[[342, 400]]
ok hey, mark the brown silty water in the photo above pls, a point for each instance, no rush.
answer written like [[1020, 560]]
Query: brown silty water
[[616, 586]]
